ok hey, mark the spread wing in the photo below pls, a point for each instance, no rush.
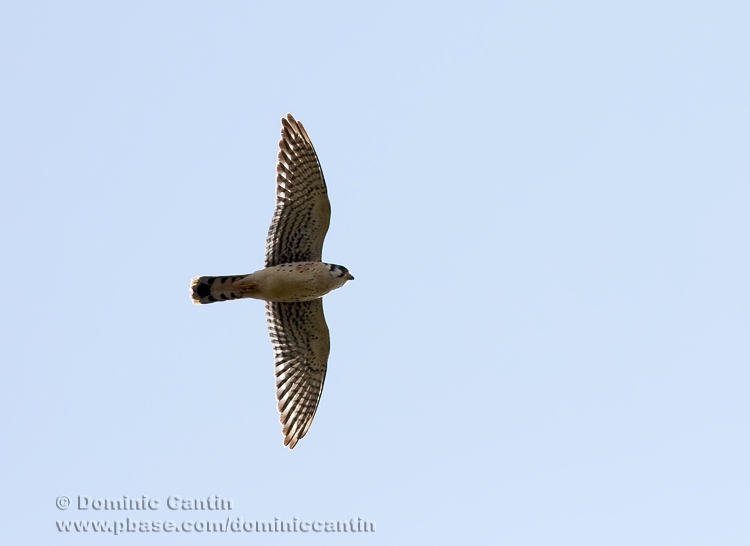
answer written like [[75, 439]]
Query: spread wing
[[301, 344], [303, 212]]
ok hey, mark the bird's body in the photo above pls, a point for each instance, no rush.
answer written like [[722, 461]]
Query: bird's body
[[293, 281], [301, 281]]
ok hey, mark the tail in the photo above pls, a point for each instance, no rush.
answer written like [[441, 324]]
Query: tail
[[211, 289]]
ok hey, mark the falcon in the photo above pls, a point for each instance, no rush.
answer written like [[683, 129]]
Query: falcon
[[293, 281]]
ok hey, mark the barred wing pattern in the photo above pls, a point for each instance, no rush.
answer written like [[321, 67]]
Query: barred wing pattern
[[301, 344], [303, 212]]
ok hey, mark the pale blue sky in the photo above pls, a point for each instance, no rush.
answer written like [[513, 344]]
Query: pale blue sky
[[544, 204]]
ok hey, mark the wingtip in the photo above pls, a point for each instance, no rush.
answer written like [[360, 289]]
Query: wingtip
[[293, 130]]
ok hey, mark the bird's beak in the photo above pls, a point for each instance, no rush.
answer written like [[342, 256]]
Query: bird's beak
[[349, 276]]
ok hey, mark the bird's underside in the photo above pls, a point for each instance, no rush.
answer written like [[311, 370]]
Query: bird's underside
[[292, 282], [302, 281]]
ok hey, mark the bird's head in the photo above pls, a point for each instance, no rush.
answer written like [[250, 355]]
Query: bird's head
[[340, 272]]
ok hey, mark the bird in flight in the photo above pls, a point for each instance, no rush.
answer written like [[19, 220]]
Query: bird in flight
[[293, 281]]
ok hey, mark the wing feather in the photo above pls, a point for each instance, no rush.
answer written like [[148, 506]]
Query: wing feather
[[301, 344], [303, 211]]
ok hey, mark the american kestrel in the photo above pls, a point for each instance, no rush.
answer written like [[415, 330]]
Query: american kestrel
[[293, 281]]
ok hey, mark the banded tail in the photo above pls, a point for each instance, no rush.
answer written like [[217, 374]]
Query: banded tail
[[211, 289]]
